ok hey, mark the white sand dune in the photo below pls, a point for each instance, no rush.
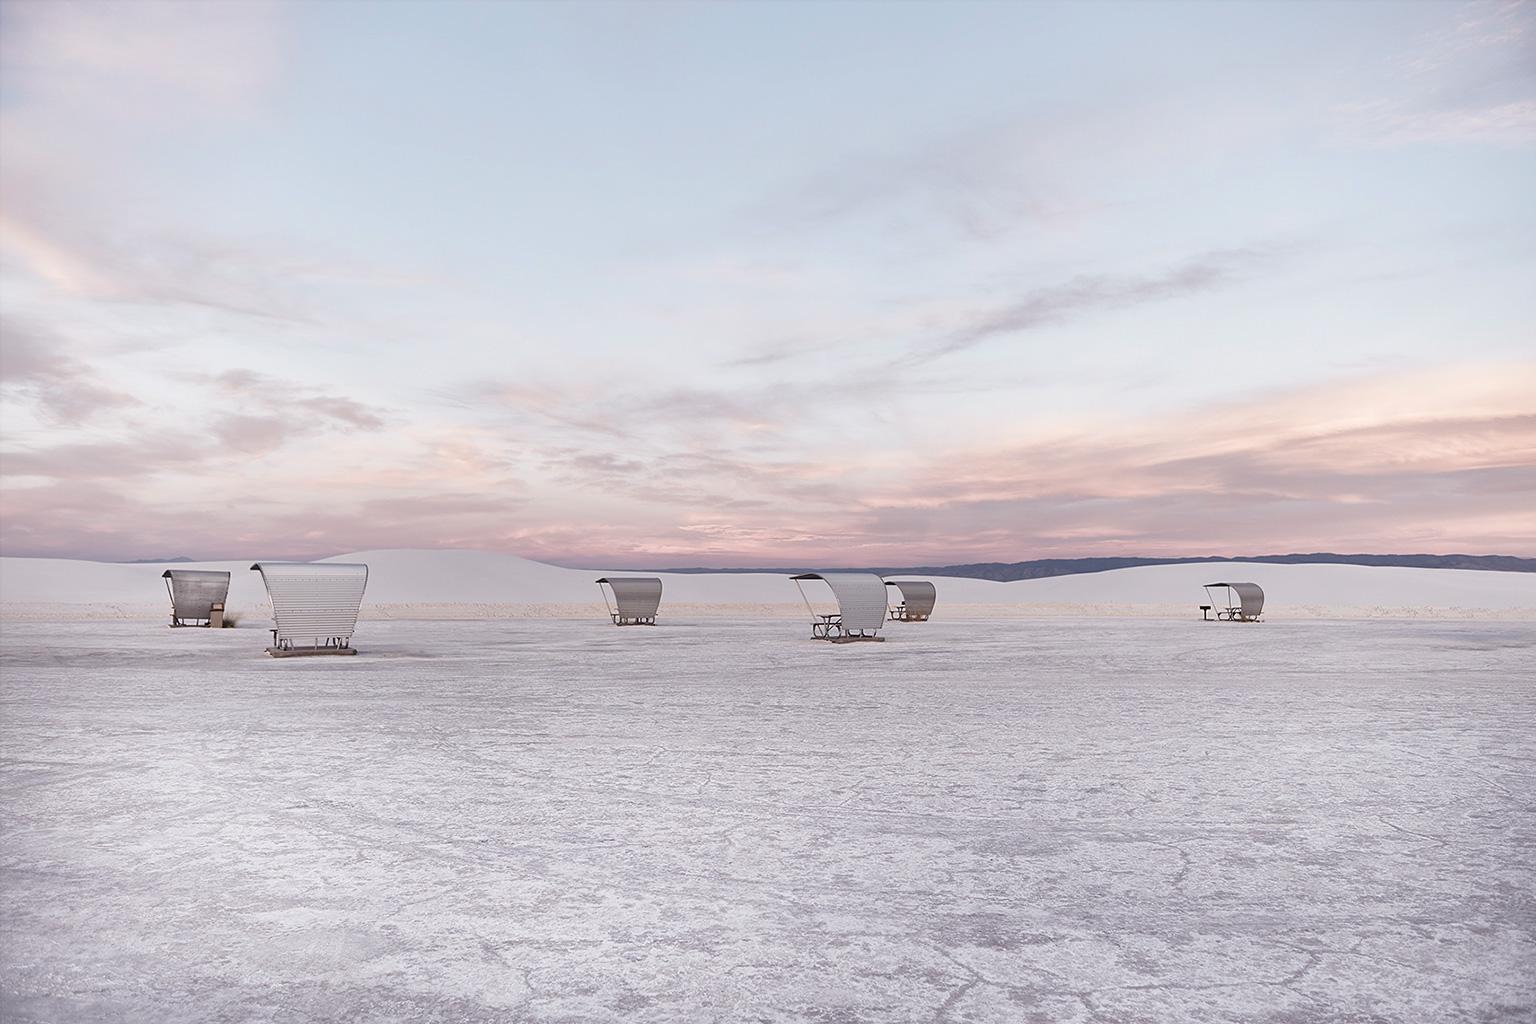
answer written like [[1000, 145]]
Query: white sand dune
[[477, 584]]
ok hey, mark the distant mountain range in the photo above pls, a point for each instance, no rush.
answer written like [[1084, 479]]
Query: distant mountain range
[[1042, 567]]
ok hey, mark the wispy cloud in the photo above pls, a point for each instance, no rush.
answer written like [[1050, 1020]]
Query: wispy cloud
[[111, 460], [1385, 123], [35, 366], [1365, 461], [1471, 81], [1395, 458], [56, 235], [1088, 294], [250, 387], [222, 420], [981, 179]]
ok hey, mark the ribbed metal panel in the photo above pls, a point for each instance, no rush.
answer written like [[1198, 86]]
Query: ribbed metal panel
[[314, 603], [194, 592], [918, 595], [636, 597], [860, 597]]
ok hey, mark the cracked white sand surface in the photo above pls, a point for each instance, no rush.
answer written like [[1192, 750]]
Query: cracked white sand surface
[[1003, 820]]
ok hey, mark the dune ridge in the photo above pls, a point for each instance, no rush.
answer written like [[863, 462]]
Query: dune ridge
[[459, 584]]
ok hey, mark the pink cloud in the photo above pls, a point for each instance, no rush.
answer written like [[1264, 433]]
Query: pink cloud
[[1372, 463]]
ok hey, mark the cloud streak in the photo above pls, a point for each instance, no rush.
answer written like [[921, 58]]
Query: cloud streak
[[1470, 82], [1363, 462], [34, 367], [1091, 294]]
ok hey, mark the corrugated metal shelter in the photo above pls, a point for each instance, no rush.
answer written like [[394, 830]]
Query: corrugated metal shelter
[[860, 606], [635, 599], [917, 599], [193, 593], [1249, 606], [314, 605]]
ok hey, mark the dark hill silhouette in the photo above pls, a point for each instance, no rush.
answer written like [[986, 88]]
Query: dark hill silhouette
[[1042, 567]]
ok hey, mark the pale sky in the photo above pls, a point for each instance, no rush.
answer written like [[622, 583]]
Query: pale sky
[[714, 284]]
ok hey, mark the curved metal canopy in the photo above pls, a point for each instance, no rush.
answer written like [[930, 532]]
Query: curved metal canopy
[[314, 603], [860, 597], [1250, 596], [634, 597], [194, 592], [918, 596]]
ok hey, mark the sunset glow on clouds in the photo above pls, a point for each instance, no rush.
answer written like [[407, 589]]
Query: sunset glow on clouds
[[765, 284]]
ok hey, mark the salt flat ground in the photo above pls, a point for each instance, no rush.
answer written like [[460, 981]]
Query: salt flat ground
[[1020, 820]]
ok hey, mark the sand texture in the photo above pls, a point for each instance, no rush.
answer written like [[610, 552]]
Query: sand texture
[[1000, 820]]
